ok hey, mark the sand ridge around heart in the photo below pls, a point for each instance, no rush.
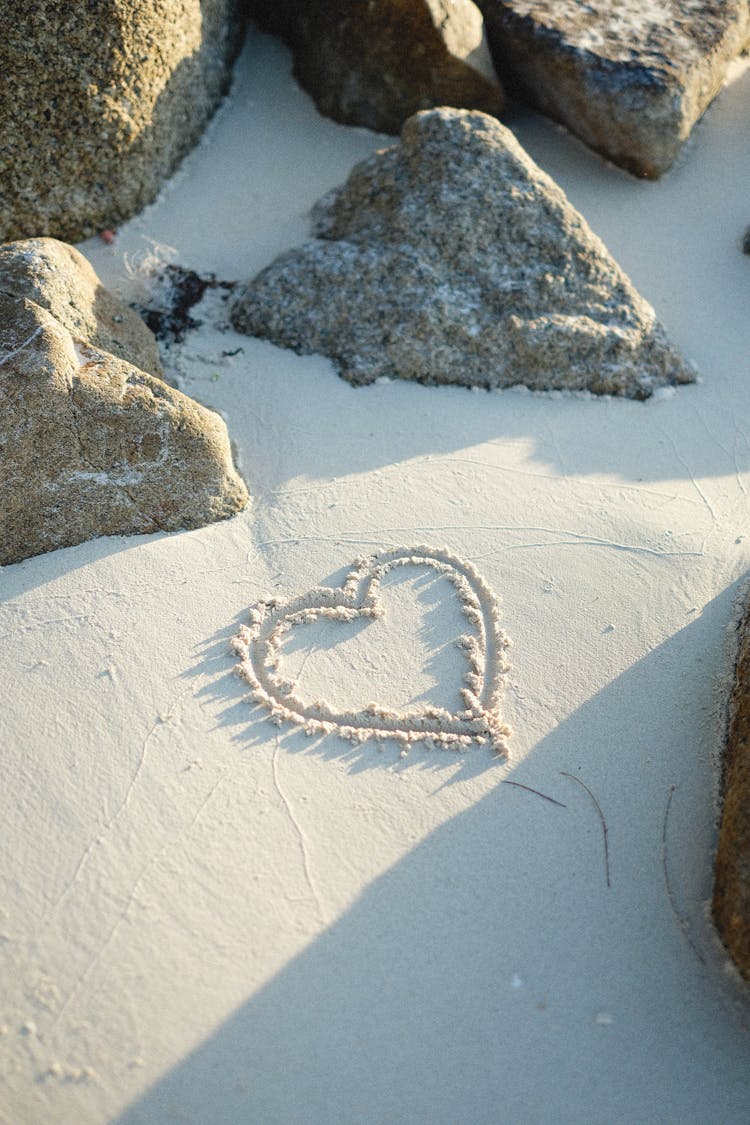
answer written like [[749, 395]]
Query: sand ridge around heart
[[259, 647]]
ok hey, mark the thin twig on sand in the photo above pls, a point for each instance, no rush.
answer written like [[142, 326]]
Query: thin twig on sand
[[528, 789], [598, 808], [682, 922]]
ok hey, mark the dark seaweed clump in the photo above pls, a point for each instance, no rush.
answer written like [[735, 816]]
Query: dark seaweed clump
[[176, 291]]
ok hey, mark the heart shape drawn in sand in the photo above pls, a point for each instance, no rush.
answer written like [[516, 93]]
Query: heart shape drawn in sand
[[258, 646]]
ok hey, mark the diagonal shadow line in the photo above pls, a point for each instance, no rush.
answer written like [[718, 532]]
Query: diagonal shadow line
[[476, 979]]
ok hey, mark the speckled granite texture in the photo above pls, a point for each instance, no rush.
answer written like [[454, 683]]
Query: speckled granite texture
[[452, 258], [99, 103], [631, 79], [377, 64]]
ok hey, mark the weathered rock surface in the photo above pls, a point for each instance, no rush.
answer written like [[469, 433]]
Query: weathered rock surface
[[58, 278], [377, 64], [630, 79], [90, 444], [452, 258], [99, 102], [731, 900]]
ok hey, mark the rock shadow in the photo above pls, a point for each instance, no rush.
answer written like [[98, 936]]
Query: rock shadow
[[492, 974]]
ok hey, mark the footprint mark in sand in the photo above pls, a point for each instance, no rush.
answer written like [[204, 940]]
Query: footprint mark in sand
[[258, 646]]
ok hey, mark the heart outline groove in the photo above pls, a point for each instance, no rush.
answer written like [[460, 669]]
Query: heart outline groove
[[258, 646]]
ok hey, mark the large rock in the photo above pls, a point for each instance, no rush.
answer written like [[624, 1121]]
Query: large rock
[[630, 79], [99, 102], [377, 64], [452, 258], [731, 900], [90, 444], [58, 278]]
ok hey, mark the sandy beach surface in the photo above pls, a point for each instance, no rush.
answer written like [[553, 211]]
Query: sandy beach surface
[[209, 918]]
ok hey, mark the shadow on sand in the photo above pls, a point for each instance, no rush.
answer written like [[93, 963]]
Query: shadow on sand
[[491, 974]]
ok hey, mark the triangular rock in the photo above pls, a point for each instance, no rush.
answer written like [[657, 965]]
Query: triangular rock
[[452, 258], [630, 79]]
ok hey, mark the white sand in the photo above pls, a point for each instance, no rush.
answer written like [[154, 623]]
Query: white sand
[[207, 918], [470, 711]]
